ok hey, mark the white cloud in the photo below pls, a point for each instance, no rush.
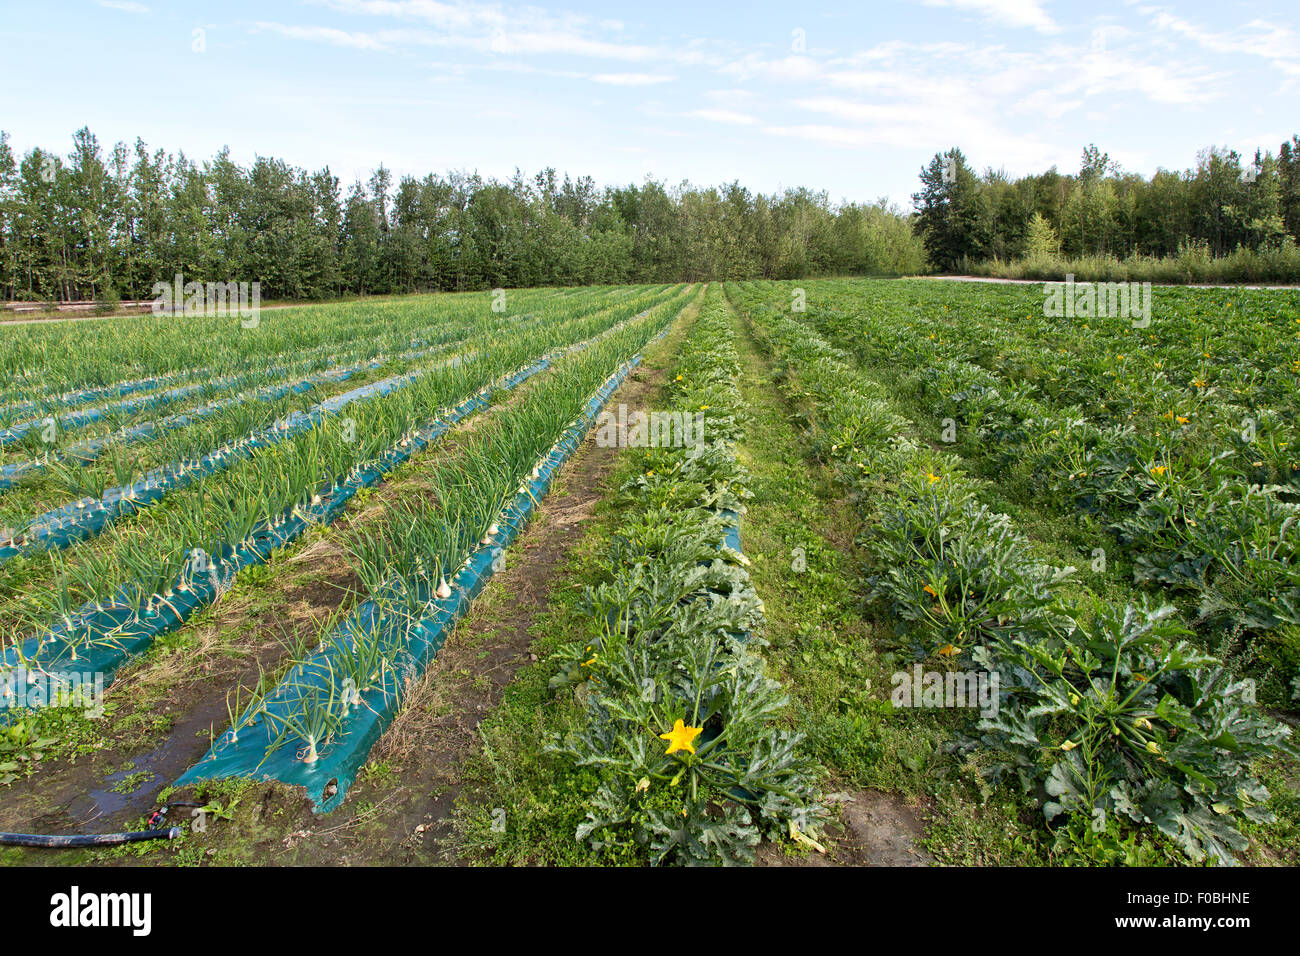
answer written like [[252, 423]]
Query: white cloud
[[788, 69], [632, 79], [1021, 91], [730, 117], [334, 37], [1014, 13], [733, 97], [445, 16], [125, 6], [1277, 44], [526, 30], [1049, 103], [837, 135]]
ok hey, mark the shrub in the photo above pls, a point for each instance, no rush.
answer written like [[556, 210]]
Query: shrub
[[1122, 717]]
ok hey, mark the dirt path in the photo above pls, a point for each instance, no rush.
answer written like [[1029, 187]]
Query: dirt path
[[872, 828], [813, 620], [168, 703], [397, 812], [438, 730]]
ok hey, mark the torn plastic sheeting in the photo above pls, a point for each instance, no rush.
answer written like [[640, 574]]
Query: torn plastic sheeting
[[89, 415], [119, 390], [119, 631], [340, 760], [12, 474], [85, 518]]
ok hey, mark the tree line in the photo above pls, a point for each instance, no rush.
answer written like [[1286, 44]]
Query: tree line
[[107, 226], [1226, 203]]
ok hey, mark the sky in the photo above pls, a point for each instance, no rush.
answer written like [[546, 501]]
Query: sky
[[850, 98]]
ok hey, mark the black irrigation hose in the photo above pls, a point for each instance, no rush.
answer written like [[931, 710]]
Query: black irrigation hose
[[100, 839], [87, 839]]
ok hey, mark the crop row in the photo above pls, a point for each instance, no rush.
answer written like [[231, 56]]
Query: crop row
[[420, 565], [132, 563], [49, 359], [84, 518], [122, 422], [1192, 479], [672, 658], [1105, 713]]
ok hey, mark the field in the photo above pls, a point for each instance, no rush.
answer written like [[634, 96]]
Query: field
[[914, 572]]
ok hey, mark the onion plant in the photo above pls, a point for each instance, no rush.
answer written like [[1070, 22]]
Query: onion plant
[[155, 545], [398, 556]]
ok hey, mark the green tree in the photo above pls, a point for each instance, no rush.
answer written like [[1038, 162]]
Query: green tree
[[1040, 238], [951, 212]]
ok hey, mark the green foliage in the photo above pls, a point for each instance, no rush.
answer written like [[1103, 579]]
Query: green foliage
[[674, 660], [1040, 237], [1105, 711], [1120, 716], [135, 217], [107, 302], [951, 212], [959, 574], [1230, 219]]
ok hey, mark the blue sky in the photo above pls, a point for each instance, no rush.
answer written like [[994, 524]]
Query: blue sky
[[851, 98]]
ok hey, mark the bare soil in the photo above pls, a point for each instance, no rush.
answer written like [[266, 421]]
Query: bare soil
[[873, 829], [398, 813]]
